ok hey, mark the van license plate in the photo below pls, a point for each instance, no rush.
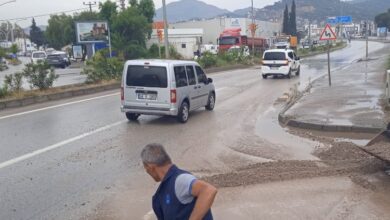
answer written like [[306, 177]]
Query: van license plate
[[274, 68], [147, 96]]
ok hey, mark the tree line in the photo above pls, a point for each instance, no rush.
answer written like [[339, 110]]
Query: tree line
[[130, 28]]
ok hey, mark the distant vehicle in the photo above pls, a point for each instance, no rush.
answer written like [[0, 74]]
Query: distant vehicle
[[213, 49], [58, 59], [232, 37], [165, 87], [243, 51], [38, 56], [280, 62], [50, 51]]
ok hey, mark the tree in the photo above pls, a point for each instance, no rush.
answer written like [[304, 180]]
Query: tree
[[14, 48], [133, 3], [286, 22], [108, 10], [36, 34], [383, 20], [293, 20], [130, 30], [147, 9], [60, 31]]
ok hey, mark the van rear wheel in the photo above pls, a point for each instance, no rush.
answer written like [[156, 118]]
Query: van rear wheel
[[183, 113], [132, 116], [211, 102]]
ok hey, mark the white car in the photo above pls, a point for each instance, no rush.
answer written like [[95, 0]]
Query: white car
[[165, 87], [280, 62], [38, 56]]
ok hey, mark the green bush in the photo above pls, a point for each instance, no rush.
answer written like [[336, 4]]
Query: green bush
[[40, 75], [3, 91], [14, 82], [101, 67], [208, 60]]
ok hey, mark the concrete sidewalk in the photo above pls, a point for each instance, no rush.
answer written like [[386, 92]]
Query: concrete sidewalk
[[354, 102]]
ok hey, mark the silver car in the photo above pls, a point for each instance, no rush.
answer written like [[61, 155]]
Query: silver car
[[165, 87]]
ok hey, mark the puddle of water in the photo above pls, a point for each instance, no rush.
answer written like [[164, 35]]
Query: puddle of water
[[268, 128], [358, 142]]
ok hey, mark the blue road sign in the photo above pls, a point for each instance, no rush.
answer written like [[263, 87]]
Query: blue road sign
[[339, 20]]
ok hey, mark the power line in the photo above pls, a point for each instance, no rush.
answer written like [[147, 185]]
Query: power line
[[90, 4], [44, 15]]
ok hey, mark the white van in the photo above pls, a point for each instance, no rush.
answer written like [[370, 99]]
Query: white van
[[165, 87], [281, 62]]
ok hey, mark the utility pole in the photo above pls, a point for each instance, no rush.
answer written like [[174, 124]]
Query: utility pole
[[90, 4], [254, 31], [366, 25], [166, 41], [122, 4]]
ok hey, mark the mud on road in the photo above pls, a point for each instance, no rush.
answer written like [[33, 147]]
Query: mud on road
[[342, 159]]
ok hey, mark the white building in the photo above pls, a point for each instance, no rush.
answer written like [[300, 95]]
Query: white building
[[214, 27], [25, 45], [185, 41]]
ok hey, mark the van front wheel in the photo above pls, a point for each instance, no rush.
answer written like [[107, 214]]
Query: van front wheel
[[183, 113], [132, 116]]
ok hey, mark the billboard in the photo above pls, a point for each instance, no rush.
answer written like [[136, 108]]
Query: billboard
[[92, 32], [77, 52]]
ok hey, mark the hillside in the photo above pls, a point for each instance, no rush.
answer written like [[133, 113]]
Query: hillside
[[317, 10], [320, 10], [189, 9]]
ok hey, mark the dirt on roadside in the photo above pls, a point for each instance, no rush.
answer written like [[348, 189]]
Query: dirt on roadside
[[342, 159]]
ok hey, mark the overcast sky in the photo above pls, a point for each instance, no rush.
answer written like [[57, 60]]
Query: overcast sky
[[29, 8]]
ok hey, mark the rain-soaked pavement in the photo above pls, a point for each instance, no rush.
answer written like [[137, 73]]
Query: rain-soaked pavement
[[79, 158]]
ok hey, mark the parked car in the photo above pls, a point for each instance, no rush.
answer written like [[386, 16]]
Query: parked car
[[165, 87], [58, 59], [280, 62], [38, 56]]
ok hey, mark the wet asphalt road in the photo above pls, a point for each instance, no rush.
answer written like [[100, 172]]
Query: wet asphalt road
[[65, 159]]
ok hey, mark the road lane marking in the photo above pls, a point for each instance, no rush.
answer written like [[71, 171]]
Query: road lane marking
[[57, 145], [60, 105]]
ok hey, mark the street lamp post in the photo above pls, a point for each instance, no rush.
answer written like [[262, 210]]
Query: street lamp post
[[253, 35], [166, 42]]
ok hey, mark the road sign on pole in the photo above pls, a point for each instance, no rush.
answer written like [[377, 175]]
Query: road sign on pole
[[328, 33]]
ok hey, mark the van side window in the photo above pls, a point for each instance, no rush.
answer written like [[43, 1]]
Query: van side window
[[200, 74], [180, 76], [291, 55], [191, 75]]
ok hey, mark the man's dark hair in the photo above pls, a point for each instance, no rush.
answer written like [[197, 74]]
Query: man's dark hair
[[155, 154]]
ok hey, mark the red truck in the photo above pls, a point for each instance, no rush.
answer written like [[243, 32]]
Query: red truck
[[232, 37]]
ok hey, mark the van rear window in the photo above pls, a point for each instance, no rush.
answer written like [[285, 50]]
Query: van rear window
[[147, 76], [275, 56]]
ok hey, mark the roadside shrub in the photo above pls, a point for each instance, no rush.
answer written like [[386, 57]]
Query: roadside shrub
[[40, 75], [14, 82], [101, 67], [208, 60], [3, 66], [15, 62], [3, 91]]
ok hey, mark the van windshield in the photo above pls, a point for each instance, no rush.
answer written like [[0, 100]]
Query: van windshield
[[147, 76], [275, 56]]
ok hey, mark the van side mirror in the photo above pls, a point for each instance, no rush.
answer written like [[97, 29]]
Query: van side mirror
[[298, 58], [210, 80]]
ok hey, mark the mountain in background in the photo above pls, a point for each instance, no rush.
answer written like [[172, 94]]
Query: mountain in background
[[189, 9], [317, 10]]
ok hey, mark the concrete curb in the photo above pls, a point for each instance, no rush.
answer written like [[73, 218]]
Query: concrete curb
[[323, 52], [290, 122], [71, 92]]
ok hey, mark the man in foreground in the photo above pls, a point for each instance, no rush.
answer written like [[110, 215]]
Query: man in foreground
[[180, 195]]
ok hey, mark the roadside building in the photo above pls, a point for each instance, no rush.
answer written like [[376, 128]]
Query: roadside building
[[185, 41], [214, 27]]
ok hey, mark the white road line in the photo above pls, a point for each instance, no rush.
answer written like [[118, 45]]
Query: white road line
[[57, 145], [60, 105]]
